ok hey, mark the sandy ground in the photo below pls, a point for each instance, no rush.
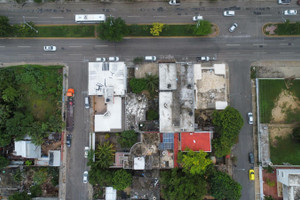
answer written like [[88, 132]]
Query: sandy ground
[[277, 69], [279, 132], [150, 68]]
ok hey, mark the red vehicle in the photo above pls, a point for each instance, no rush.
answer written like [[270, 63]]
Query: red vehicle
[[70, 109]]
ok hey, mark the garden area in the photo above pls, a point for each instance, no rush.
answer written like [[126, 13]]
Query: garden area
[[280, 108], [287, 28]]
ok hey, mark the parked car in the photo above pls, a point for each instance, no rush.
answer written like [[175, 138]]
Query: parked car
[[85, 176], [49, 48], [150, 58], [250, 118], [284, 2], [101, 59], [86, 151], [174, 2], [203, 58], [290, 12], [197, 18], [251, 175], [233, 27], [69, 139], [229, 13], [86, 102], [113, 59], [251, 158]]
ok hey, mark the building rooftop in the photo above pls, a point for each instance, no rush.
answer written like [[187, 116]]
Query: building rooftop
[[167, 76], [107, 79], [27, 149], [196, 141]]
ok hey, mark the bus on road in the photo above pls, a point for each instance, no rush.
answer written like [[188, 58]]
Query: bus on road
[[90, 18]]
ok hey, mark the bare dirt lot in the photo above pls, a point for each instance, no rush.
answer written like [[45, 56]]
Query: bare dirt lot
[[150, 68], [279, 131]]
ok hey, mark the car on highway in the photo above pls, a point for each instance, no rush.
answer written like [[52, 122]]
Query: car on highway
[[86, 151], [100, 59], [85, 176], [290, 12], [229, 13], [233, 27], [197, 18], [250, 118], [69, 139], [50, 48], [251, 158], [284, 2], [251, 175], [113, 59]]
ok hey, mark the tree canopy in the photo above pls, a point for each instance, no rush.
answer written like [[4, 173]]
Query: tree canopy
[[296, 134], [228, 124], [104, 155], [112, 29], [194, 162], [19, 196], [3, 162], [179, 185], [222, 186], [121, 179], [127, 138], [5, 27]]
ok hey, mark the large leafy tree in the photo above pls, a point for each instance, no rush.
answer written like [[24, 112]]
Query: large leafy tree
[[184, 186], [127, 138], [5, 27], [222, 186], [228, 124], [122, 179], [104, 155], [152, 82], [194, 162], [102, 177], [113, 30]]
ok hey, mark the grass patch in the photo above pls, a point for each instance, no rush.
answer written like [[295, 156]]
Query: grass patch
[[288, 28], [67, 31], [286, 150]]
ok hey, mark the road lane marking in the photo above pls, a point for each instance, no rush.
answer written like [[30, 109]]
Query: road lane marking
[[259, 44], [159, 16], [75, 54], [101, 45], [266, 15], [31, 17], [233, 45], [2, 46], [24, 46], [283, 44], [25, 54], [57, 17], [75, 46], [284, 52]]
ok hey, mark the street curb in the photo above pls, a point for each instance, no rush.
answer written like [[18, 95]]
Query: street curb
[[274, 36]]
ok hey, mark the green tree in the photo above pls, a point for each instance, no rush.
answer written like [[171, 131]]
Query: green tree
[[40, 176], [152, 115], [113, 30], [156, 28], [222, 186], [184, 186], [5, 27], [3, 162], [122, 179], [9, 94], [127, 138], [152, 82], [296, 134], [24, 30], [19, 196], [101, 177], [194, 162], [19, 125], [104, 155], [228, 124], [203, 27], [36, 191], [268, 197], [137, 85]]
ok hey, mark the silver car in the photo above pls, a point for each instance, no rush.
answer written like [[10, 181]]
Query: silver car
[[197, 18], [229, 13], [113, 59], [49, 48], [290, 12], [233, 27], [85, 176], [250, 118]]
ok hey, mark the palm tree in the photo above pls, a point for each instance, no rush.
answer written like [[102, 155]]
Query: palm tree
[[152, 83], [104, 155]]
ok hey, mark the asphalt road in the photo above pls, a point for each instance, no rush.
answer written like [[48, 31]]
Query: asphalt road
[[239, 50]]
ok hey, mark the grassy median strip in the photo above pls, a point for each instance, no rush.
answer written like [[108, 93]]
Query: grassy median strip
[[168, 30], [67, 31], [287, 28]]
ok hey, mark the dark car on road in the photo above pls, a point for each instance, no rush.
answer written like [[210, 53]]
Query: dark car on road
[[251, 158], [69, 139]]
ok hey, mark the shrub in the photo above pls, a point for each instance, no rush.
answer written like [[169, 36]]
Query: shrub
[[36, 191], [152, 115], [137, 85], [127, 138], [270, 183], [156, 29], [122, 179], [40, 176], [3, 162], [138, 60]]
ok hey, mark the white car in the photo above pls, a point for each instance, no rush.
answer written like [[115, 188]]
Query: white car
[[174, 2], [86, 151], [290, 12], [85, 176], [101, 59], [197, 18], [113, 59], [49, 48], [229, 13], [250, 118], [284, 2], [233, 27]]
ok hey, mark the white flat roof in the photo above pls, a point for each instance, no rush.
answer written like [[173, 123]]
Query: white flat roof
[[221, 105], [27, 149], [165, 111], [139, 163], [167, 76], [219, 69], [112, 119], [107, 74], [197, 72], [110, 193]]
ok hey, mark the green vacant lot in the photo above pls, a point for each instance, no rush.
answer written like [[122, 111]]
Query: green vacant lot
[[269, 90]]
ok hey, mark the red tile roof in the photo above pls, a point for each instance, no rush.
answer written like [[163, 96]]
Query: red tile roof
[[196, 141], [175, 149]]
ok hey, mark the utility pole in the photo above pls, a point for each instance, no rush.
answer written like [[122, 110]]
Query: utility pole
[[29, 25]]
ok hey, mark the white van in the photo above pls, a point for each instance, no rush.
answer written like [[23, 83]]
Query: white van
[[150, 58], [86, 102]]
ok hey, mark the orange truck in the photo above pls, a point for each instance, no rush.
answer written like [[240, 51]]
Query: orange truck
[[70, 109]]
